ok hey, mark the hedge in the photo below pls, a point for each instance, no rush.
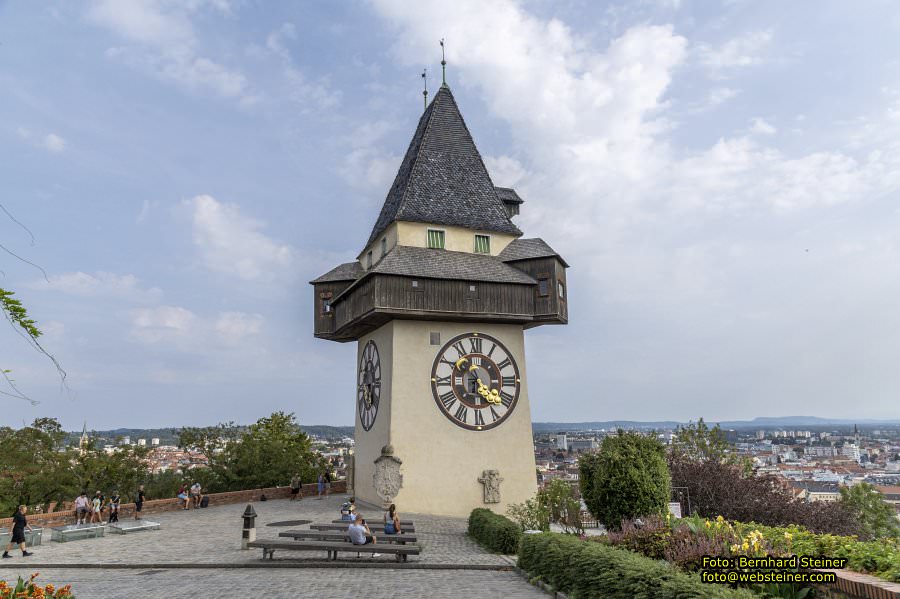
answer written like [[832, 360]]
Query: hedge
[[497, 533], [584, 570]]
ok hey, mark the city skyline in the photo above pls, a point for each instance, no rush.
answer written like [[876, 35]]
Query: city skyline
[[184, 167]]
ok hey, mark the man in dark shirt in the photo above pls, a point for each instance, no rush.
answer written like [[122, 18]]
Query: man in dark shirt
[[139, 502], [17, 531]]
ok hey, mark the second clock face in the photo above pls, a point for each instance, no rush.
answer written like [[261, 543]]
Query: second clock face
[[368, 385], [475, 381]]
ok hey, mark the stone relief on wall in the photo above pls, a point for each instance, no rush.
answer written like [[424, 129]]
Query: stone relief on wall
[[387, 477], [491, 480]]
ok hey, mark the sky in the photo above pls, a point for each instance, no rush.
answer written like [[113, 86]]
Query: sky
[[723, 179]]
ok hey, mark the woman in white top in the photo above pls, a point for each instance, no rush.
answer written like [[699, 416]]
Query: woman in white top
[[392, 521]]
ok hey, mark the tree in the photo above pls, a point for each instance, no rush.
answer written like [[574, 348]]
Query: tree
[[876, 518], [268, 453], [700, 442], [626, 479]]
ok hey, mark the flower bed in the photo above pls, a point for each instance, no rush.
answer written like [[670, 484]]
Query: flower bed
[[683, 542], [587, 570], [27, 588]]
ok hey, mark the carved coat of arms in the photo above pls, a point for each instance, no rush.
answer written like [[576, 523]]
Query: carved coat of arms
[[387, 477]]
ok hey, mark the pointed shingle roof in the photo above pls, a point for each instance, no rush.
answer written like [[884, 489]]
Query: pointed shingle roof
[[528, 249], [442, 179]]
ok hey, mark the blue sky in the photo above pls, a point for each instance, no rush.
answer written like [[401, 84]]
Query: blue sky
[[723, 180]]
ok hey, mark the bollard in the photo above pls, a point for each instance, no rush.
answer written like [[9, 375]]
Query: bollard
[[249, 533]]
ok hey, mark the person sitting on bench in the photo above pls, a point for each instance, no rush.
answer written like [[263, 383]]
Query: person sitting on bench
[[361, 535], [348, 510], [392, 521]]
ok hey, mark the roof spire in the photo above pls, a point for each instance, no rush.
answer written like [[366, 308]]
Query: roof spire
[[425, 88], [443, 66]]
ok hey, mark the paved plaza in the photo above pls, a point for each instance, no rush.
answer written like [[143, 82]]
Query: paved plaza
[[197, 554]]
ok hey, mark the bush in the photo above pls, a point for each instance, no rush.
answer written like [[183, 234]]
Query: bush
[[493, 531], [554, 503], [586, 570], [721, 489], [626, 479]]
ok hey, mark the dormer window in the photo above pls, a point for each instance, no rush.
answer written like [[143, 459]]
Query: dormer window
[[435, 239], [482, 244], [369, 260]]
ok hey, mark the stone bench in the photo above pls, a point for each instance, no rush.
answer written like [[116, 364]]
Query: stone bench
[[32, 538], [332, 548], [336, 535], [373, 527], [73, 532], [128, 526], [403, 523]]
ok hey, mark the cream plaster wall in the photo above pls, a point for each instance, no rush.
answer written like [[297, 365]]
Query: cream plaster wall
[[369, 443], [441, 461], [456, 239]]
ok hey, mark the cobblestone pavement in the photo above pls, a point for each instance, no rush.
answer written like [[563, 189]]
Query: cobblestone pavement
[[212, 536], [278, 583]]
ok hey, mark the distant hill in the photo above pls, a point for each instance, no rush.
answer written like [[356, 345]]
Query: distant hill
[[169, 436], [756, 423]]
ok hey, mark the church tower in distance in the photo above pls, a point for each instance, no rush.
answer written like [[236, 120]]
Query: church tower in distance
[[438, 302]]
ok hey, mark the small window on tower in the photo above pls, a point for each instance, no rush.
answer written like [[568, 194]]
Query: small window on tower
[[435, 239], [383, 246], [326, 306], [435, 338], [561, 287], [369, 260], [544, 287], [482, 244]]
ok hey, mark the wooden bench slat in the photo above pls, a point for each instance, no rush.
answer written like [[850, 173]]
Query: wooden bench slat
[[334, 547], [372, 527], [402, 522], [337, 535]]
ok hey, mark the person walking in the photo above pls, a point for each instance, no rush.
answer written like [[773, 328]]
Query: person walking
[[17, 532], [139, 502], [320, 485], [114, 502], [296, 485], [81, 508], [327, 482], [96, 505]]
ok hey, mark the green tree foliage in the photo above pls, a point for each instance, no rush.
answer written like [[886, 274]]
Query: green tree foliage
[[627, 478], [266, 454], [554, 503], [876, 518], [698, 441]]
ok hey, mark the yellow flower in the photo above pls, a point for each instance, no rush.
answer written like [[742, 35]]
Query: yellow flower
[[708, 524], [745, 546], [720, 519]]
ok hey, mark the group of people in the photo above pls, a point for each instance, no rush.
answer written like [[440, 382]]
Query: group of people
[[192, 496], [359, 531], [323, 485], [90, 510]]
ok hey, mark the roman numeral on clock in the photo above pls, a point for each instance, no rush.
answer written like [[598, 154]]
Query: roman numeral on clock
[[494, 415], [447, 399], [460, 349], [462, 413], [504, 364], [505, 398], [475, 345], [442, 380], [479, 419], [509, 381]]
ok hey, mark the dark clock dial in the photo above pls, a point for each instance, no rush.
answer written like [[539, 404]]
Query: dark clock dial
[[475, 381], [368, 385]]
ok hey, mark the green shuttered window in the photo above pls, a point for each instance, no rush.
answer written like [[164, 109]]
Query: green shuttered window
[[482, 244], [435, 239]]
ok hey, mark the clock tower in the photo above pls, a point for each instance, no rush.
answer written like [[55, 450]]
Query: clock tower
[[438, 302]]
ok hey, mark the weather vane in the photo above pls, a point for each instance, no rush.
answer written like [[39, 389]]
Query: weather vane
[[425, 87], [443, 65]]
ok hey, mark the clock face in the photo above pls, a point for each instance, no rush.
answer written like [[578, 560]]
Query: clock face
[[475, 381], [368, 385]]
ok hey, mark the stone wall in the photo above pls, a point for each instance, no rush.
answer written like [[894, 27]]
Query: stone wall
[[155, 506]]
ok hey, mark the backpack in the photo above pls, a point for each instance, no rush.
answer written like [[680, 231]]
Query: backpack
[[204, 502]]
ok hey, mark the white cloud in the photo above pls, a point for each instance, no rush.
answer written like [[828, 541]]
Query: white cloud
[[367, 166], [741, 51], [720, 95], [230, 242], [234, 327], [164, 31], [100, 284], [164, 323], [505, 171], [762, 127], [48, 141], [309, 95]]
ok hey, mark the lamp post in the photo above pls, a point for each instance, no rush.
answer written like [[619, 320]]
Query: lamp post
[[249, 533]]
